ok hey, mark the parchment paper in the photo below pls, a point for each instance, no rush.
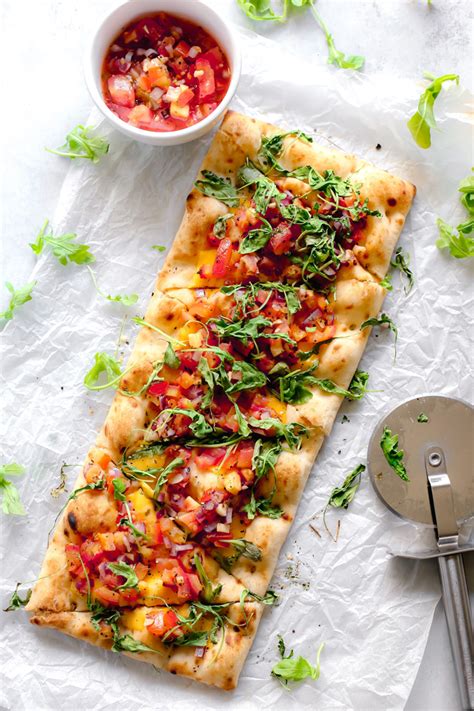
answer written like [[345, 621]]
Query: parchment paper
[[372, 611]]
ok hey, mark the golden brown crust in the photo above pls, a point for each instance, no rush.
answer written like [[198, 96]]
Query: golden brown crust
[[221, 670]]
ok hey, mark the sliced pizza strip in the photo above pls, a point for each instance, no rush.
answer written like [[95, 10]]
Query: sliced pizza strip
[[206, 643], [274, 205]]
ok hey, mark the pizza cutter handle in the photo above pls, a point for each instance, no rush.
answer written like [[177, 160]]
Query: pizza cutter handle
[[458, 618]]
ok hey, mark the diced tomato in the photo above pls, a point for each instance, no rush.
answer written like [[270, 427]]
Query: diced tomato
[[185, 97], [205, 77], [121, 90], [245, 455], [140, 116], [223, 259], [104, 461], [106, 596], [161, 622], [210, 457], [214, 56], [157, 389], [123, 112], [280, 242], [182, 48]]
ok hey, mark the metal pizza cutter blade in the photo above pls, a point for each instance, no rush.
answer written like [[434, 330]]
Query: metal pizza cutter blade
[[436, 434]]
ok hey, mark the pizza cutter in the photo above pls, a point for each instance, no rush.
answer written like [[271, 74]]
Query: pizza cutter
[[436, 434]]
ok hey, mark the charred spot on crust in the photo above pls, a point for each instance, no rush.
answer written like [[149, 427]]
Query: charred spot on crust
[[392, 202], [72, 520], [236, 629], [66, 533]]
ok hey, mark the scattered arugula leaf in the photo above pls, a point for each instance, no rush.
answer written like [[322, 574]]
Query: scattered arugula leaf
[[129, 524], [245, 548], [291, 668], [63, 247], [262, 506], [423, 120], [335, 56], [256, 239], [127, 643], [165, 473], [18, 298], [119, 487], [16, 601], [265, 189], [422, 418], [125, 299], [393, 455], [170, 358], [11, 503], [461, 246], [272, 146], [384, 321], [209, 592], [214, 186], [265, 456], [401, 261], [358, 385], [259, 10], [466, 188], [158, 247], [103, 363], [125, 571], [341, 496], [81, 144]]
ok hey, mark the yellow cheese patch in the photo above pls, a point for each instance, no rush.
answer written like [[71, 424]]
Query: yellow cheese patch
[[278, 406], [134, 620]]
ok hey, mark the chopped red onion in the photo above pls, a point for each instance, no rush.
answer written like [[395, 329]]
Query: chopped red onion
[[128, 56], [210, 527], [176, 478], [167, 542], [183, 547], [228, 516]]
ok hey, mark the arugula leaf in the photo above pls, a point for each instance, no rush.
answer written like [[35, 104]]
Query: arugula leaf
[[256, 239], [191, 639], [107, 615], [262, 507], [401, 262], [209, 592], [422, 418], [393, 455], [466, 188], [245, 295], [170, 358], [246, 549], [199, 427], [358, 385], [164, 474], [129, 524], [341, 496], [292, 386], [386, 282], [127, 643], [265, 189], [272, 146], [220, 225], [18, 298], [80, 144], [327, 182], [94, 486], [270, 597], [16, 601], [119, 487], [423, 120], [103, 363], [11, 503], [292, 432], [214, 186], [125, 571], [459, 245], [63, 247], [158, 247], [125, 299], [243, 425], [335, 56], [246, 330], [356, 390], [262, 10], [265, 456], [291, 668], [383, 321]]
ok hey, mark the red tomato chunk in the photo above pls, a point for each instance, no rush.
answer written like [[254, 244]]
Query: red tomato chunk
[[163, 73]]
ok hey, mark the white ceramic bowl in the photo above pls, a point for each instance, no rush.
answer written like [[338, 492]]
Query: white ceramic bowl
[[192, 10]]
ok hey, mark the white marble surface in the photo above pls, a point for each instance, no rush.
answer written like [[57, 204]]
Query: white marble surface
[[44, 96]]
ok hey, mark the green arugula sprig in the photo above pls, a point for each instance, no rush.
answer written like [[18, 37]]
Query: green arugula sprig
[[266, 190], [64, 247], [11, 503], [294, 386], [272, 147], [384, 321], [18, 298], [401, 261], [81, 144], [124, 299], [126, 571], [335, 56], [341, 496], [17, 602], [423, 120], [245, 296], [393, 455], [103, 363], [461, 243], [291, 668], [209, 591], [213, 185]]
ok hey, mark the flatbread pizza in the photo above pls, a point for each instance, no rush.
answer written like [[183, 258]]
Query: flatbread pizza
[[250, 343]]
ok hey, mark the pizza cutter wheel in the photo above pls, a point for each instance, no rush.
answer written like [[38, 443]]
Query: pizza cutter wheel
[[436, 434]]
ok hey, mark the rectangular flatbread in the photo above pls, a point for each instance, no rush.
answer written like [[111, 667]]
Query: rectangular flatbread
[[252, 338]]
